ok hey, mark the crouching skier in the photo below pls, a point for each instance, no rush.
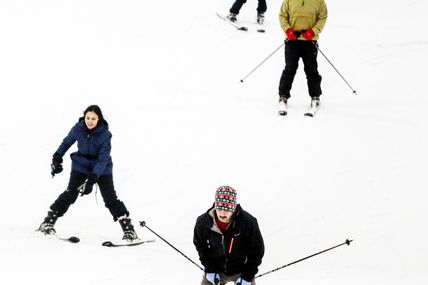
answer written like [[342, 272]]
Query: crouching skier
[[228, 241]]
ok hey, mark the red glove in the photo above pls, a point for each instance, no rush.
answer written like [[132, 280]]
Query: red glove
[[290, 34], [308, 34]]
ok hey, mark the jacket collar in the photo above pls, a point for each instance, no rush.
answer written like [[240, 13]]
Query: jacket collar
[[211, 213]]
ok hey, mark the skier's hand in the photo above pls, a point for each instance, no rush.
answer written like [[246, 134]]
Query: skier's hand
[[309, 34], [213, 278], [86, 188], [290, 34], [241, 281], [56, 165]]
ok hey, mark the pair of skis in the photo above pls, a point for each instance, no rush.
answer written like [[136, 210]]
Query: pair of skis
[[310, 113], [239, 27], [74, 239]]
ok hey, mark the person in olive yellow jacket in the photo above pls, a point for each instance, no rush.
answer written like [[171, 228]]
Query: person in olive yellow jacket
[[302, 21]]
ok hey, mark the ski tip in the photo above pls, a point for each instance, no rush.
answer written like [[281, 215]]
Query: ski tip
[[74, 239], [107, 243]]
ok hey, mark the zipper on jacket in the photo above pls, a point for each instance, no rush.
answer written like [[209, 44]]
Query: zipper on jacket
[[88, 139], [231, 245], [231, 242], [224, 252], [222, 244]]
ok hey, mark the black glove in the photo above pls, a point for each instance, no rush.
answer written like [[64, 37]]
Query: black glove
[[56, 166], [86, 188]]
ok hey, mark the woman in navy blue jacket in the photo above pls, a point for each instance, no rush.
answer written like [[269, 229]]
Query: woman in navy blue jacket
[[91, 164]]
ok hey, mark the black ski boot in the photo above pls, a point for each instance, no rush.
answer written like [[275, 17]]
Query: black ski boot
[[232, 17], [260, 18], [282, 106], [47, 227], [315, 102], [129, 233]]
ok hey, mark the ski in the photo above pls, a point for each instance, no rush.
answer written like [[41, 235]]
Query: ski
[[71, 239], [312, 111], [260, 28], [282, 112], [238, 27], [124, 243]]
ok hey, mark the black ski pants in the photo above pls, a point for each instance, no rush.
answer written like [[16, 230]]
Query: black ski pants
[[113, 204], [294, 50], [236, 7]]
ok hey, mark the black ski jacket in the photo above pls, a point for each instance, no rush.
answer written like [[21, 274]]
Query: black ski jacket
[[239, 249]]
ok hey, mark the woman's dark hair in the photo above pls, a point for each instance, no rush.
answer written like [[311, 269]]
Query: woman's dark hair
[[97, 110]]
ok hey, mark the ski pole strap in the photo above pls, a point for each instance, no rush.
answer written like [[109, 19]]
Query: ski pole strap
[[347, 242]]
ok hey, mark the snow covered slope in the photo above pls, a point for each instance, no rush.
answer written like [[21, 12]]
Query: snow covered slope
[[166, 74]]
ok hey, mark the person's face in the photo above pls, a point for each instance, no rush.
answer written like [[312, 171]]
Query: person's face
[[223, 215], [91, 120]]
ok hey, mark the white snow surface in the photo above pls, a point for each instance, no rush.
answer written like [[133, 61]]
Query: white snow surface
[[166, 75]]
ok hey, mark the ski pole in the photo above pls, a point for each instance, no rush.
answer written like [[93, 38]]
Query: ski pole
[[143, 224], [353, 90], [242, 80], [347, 242]]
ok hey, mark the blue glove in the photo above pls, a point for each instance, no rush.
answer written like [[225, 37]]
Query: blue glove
[[214, 278], [241, 281]]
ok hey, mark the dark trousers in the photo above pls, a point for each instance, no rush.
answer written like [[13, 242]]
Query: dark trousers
[[294, 50], [236, 7], [113, 204]]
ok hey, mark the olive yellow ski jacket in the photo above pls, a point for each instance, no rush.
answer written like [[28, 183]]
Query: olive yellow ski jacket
[[301, 15]]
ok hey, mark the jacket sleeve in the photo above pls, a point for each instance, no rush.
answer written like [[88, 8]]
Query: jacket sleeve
[[200, 241], [321, 18], [67, 142], [103, 157], [255, 252], [284, 17]]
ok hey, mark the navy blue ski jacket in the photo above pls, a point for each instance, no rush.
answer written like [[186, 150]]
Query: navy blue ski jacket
[[93, 149]]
